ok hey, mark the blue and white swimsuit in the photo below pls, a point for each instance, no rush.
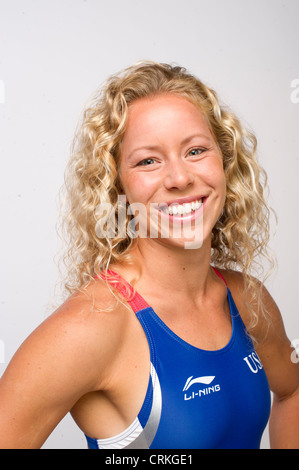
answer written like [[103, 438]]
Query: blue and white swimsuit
[[196, 399]]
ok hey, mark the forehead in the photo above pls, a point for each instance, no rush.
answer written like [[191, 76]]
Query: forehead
[[163, 104], [162, 116]]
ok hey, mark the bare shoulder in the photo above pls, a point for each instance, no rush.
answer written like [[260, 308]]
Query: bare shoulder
[[67, 356], [234, 280], [236, 283], [272, 344], [78, 330]]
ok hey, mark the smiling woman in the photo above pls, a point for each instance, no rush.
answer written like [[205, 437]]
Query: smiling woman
[[240, 234], [174, 352], [180, 171]]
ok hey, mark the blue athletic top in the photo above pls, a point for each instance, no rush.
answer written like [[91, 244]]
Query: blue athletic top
[[196, 399]]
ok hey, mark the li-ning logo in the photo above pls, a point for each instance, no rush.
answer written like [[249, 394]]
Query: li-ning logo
[[202, 391]]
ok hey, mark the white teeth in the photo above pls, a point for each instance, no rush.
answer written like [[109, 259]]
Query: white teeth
[[187, 208], [182, 209]]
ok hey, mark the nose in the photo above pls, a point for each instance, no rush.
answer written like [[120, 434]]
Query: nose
[[178, 176]]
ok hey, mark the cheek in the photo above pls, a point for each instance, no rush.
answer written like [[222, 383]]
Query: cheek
[[139, 186], [222, 181], [136, 188], [214, 175], [221, 185]]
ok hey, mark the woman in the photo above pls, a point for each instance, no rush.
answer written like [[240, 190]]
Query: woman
[[162, 183]]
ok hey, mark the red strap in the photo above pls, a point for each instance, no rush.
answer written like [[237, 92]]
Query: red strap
[[128, 292], [220, 275], [125, 289]]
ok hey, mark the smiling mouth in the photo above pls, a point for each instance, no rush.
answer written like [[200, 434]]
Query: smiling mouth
[[181, 210]]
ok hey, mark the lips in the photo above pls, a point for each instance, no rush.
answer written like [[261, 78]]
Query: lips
[[183, 200], [182, 207]]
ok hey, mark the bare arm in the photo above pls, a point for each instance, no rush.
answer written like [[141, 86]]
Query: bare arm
[[50, 372], [274, 350], [284, 422], [283, 377]]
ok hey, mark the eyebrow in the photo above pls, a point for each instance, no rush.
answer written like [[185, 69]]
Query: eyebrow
[[157, 147], [191, 137]]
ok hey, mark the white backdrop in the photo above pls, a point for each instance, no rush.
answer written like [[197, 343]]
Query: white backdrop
[[55, 53]]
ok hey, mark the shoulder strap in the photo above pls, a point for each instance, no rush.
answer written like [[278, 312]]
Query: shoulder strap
[[128, 292], [220, 275], [125, 289]]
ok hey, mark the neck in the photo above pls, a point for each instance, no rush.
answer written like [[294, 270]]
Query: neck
[[172, 269]]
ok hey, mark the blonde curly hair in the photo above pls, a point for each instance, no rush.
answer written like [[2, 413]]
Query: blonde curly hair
[[241, 235]]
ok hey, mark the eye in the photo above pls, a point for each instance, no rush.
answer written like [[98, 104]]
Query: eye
[[196, 151], [146, 162]]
